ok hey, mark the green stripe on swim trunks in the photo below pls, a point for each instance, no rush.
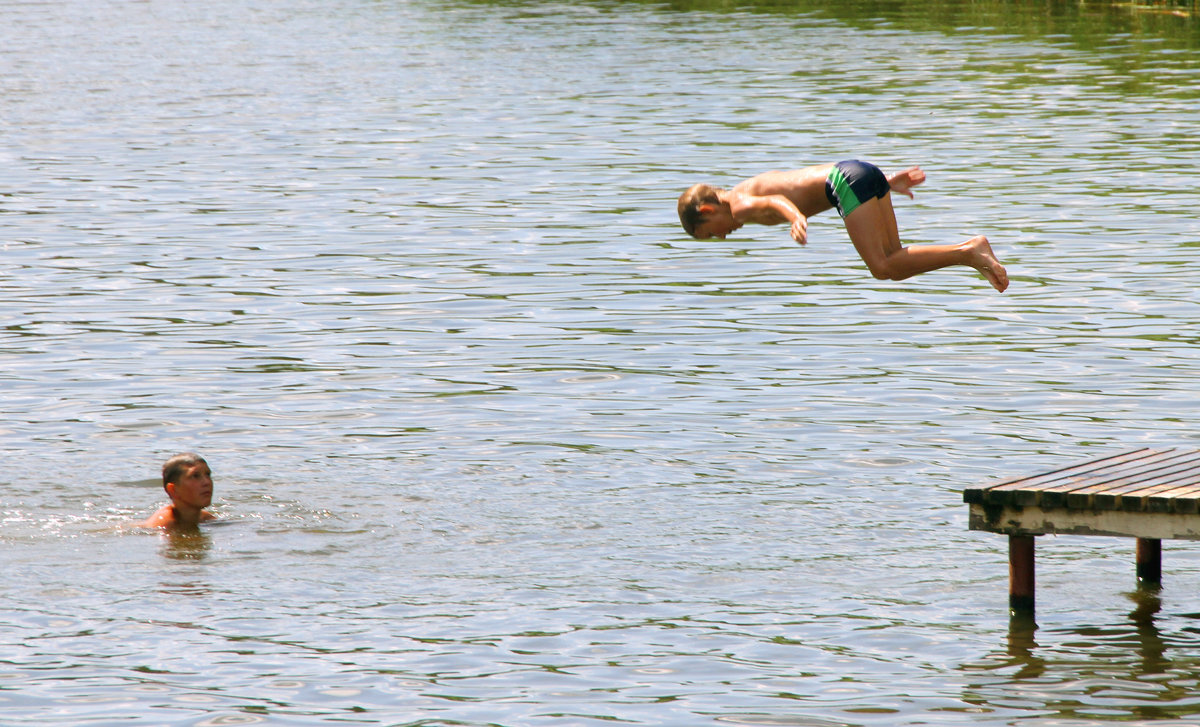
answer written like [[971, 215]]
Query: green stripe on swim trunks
[[841, 188]]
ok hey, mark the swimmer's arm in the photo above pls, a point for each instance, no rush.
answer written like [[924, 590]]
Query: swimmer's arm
[[771, 209], [904, 181]]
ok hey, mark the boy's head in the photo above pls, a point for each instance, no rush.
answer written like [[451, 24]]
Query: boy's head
[[699, 205], [187, 477]]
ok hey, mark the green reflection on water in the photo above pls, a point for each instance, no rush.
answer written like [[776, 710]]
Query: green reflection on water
[[1176, 19], [1143, 41]]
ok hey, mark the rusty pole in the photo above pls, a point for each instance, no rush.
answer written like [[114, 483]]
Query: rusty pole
[[1149, 561], [1020, 574]]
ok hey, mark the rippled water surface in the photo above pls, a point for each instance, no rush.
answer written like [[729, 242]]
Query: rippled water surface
[[495, 443]]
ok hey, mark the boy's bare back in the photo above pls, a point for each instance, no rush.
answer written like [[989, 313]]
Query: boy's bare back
[[804, 187]]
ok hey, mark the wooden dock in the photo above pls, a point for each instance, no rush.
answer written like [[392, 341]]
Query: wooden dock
[[1148, 494]]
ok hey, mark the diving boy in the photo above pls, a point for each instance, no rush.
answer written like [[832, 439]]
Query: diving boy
[[860, 192], [188, 482]]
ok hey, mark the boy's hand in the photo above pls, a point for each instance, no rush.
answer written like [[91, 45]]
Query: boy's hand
[[903, 182], [800, 230]]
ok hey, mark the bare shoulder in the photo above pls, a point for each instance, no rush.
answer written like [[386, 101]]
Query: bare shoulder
[[166, 517], [162, 518]]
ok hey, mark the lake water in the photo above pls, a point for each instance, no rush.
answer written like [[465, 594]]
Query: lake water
[[495, 443]]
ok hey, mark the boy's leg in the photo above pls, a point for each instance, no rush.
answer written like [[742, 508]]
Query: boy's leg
[[872, 229]]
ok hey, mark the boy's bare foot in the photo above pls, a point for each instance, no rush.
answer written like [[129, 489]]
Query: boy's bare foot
[[984, 260]]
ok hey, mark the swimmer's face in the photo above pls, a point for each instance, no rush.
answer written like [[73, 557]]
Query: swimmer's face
[[194, 487], [718, 226]]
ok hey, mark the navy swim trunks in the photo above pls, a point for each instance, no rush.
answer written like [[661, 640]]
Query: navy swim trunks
[[851, 183]]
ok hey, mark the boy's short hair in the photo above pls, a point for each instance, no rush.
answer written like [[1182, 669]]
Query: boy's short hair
[[689, 205], [176, 466]]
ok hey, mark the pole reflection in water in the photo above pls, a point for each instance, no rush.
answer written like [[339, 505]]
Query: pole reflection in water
[[1147, 604], [1091, 672]]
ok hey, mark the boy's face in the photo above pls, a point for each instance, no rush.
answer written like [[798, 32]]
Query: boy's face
[[718, 222], [194, 487]]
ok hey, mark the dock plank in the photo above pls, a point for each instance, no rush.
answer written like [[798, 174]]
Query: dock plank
[[1050, 488], [1125, 475], [1107, 495], [1184, 499]]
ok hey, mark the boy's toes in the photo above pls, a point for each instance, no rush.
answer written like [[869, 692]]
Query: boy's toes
[[998, 277]]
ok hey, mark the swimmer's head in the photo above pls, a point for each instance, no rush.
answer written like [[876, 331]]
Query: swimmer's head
[[690, 202], [704, 214], [177, 466]]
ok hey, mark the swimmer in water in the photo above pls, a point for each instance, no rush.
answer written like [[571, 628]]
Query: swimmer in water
[[860, 192], [188, 482]]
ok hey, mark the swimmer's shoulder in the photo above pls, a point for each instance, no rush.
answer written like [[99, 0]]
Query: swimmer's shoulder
[[163, 517]]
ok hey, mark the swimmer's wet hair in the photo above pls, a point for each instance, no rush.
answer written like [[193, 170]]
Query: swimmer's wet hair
[[690, 202], [176, 466]]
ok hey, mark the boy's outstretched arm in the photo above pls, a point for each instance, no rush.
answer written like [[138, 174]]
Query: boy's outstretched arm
[[904, 181]]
